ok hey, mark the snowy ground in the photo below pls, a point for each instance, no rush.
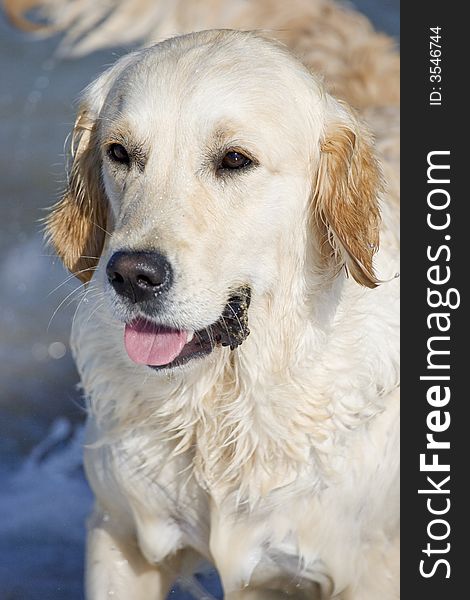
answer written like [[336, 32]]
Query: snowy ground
[[44, 498]]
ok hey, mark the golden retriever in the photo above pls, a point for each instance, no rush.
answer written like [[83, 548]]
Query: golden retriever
[[238, 336]]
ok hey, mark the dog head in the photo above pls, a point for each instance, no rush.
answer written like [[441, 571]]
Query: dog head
[[206, 169]]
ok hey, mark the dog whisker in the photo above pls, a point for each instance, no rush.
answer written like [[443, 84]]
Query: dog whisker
[[71, 277], [93, 312], [74, 291]]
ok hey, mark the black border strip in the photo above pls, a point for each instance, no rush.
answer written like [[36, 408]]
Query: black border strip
[[430, 128]]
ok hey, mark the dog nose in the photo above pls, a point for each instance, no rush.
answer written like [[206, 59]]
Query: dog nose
[[139, 276]]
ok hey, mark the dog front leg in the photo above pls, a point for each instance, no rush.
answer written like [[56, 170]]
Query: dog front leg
[[115, 567]]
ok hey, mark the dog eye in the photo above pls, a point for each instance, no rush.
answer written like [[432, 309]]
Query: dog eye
[[118, 153], [234, 160]]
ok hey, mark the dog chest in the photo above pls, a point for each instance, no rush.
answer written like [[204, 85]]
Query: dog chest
[[309, 535]]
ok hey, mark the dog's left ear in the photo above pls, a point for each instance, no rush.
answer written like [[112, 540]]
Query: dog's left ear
[[345, 199]]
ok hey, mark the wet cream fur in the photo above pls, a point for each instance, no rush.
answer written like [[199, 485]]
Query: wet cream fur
[[277, 462]]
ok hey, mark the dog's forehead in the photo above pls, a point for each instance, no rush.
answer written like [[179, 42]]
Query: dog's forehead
[[213, 71]]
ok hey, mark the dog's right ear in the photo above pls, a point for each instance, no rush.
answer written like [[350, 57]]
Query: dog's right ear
[[76, 225]]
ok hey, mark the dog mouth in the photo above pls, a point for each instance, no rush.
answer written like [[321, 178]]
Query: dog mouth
[[162, 347]]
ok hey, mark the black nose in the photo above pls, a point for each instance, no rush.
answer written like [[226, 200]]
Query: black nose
[[139, 276]]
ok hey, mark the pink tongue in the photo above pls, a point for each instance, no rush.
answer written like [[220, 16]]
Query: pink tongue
[[149, 344]]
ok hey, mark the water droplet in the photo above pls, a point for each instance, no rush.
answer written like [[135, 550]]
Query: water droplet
[[57, 350]]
